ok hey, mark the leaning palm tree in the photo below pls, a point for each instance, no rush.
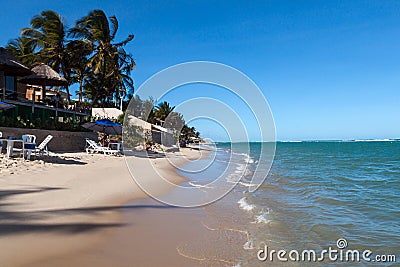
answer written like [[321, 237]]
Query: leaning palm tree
[[78, 53], [174, 121], [109, 62], [24, 49], [162, 111], [48, 34]]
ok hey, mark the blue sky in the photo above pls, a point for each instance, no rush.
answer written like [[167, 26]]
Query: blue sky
[[329, 69]]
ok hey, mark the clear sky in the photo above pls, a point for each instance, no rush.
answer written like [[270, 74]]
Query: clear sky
[[329, 69]]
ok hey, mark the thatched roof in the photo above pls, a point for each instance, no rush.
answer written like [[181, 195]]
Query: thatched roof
[[44, 75], [10, 64]]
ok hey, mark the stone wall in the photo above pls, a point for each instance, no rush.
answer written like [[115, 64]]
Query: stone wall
[[62, 141]]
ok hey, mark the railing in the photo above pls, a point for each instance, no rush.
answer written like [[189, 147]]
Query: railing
[[74, 109]]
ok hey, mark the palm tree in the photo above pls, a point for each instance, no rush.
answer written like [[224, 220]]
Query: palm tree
[[110, 63], [48, 34], [24, 49], [188, 132], [175, 122], [162, 111], [78, 52]]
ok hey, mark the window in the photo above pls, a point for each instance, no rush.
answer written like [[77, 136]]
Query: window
[[10, 84]]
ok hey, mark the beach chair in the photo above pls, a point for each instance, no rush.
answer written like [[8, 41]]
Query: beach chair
[[42, 148], [93, 147], [29, 144]]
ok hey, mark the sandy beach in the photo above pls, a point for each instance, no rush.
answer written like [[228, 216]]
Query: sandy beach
[[65, 209]]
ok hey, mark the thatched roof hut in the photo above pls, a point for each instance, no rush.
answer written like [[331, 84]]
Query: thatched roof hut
[[45, 76]]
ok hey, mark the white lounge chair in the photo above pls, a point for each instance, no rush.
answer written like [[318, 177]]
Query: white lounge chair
[[42, 148], [93, 147]]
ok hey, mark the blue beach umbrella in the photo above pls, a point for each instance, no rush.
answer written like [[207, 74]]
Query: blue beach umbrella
[[5, 106], [104, 126]]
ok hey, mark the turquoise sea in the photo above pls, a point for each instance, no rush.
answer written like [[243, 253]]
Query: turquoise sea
[[315, 193]]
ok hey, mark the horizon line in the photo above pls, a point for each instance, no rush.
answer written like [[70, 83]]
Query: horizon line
[[318, 140]]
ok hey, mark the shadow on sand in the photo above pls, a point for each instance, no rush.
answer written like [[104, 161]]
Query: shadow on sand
[[26, 222], [144, 154], [63, 160]]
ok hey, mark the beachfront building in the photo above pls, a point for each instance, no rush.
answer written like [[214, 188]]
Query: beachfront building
[[106, 113], [162, 135], [150, 132], [27, 90], [34, 92]]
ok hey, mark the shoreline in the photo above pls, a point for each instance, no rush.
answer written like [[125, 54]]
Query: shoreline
[[154, 234], [64, 227]]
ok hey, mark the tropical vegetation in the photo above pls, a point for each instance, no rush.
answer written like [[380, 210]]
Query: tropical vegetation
[[88, 54], [161, 114]]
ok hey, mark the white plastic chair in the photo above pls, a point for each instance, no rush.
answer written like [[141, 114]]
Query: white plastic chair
[[29, 138], [29, 144]]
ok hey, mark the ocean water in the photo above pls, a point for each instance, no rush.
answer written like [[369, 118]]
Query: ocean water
[[315, 194]]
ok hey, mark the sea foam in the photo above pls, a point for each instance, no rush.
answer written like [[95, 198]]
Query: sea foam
[[244, 205], [262, 217], [199, 185]]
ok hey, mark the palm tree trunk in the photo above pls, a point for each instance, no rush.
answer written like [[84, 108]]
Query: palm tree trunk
[[80, 90], [68, 96]]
